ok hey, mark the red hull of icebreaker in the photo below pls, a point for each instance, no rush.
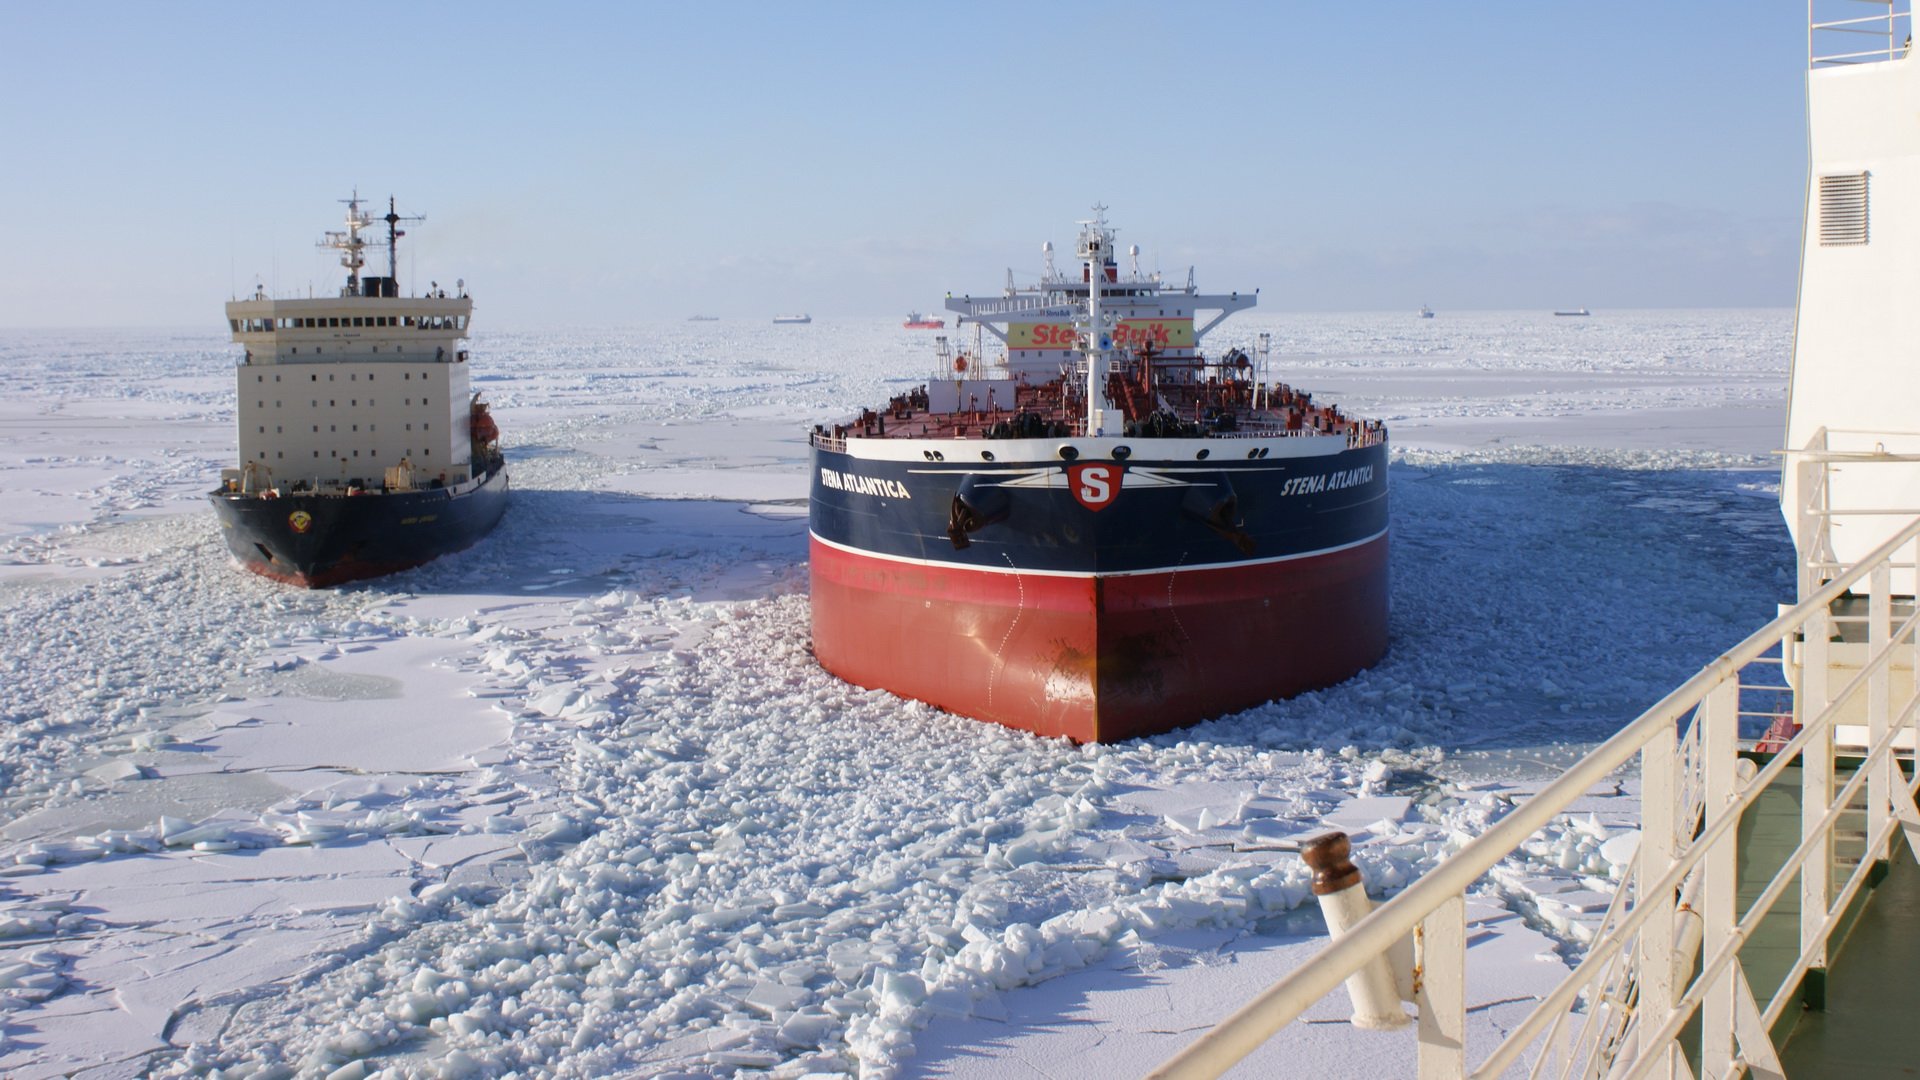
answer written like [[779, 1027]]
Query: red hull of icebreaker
[[1099, 658]]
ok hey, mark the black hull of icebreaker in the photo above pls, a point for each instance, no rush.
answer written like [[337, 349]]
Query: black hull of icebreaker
[[1100, 599], [317, 541]]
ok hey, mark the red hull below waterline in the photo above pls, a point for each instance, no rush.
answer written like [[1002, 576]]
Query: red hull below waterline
[[1099, 658]]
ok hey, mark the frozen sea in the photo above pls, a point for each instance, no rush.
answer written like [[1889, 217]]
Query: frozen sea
[[578, 803]]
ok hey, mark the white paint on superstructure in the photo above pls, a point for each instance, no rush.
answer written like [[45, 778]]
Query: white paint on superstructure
[[1855, 386]]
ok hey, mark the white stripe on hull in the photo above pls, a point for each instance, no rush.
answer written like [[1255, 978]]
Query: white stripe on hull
[[1183, 568]]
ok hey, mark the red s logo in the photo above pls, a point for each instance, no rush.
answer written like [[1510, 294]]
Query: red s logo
[[1095, 484]]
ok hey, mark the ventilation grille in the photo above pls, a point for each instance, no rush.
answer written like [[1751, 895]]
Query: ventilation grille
[[1843, 209]]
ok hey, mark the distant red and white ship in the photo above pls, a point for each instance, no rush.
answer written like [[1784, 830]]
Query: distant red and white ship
[[1103, 533], [917, 321]]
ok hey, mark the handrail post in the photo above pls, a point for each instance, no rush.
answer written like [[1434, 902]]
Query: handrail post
[[1659, 802], [1880, 786], [1811, 480], [1440, 991], [1719, 717], [1816, 794], [1913, 659], [1343, 900]]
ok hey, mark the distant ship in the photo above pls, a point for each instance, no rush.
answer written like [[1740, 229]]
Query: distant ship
[[917, 321], [792, 319], [1426, 312], [1580, 311], [362, 450], [1106, 533], [703, 318]]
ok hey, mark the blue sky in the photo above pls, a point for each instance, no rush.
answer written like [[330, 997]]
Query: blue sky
[[586, 164]]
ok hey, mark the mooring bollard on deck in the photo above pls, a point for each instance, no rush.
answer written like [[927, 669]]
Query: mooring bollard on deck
[[1343, 900]]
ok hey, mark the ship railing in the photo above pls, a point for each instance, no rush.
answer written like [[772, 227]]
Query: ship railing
[[1013, 305], [1875, 476], [1622, 1011], [1838, 37]]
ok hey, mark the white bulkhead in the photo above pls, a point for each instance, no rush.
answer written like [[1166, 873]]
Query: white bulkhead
[[1854, 406], [344, 388]]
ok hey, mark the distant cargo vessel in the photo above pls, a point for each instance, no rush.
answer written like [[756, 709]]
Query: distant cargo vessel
[[1106, 533], [1576, 311], [362, 449], [1426, 312], [703, 318], [792, 319], [917, 321]]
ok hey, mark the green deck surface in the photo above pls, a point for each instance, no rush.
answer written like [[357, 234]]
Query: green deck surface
[[1872, 990], [1873, 1011]]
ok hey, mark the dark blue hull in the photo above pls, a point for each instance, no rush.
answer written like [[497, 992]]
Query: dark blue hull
[[316, 541], [1155, 514]]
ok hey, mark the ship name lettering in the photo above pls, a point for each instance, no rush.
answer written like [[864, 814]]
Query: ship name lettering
[[1333, 481], [864, 485]]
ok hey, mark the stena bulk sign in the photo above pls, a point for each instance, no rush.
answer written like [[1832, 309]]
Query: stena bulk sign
[[1129, 334]]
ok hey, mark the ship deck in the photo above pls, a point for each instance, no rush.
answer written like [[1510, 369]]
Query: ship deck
[[1858, 1015], [1222, 408]]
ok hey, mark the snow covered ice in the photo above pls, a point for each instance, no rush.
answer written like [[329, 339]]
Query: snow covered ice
[[577, 802]]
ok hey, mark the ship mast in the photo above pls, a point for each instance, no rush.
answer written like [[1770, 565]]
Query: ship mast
[[394, 233], [349, 242], [1096, 240]]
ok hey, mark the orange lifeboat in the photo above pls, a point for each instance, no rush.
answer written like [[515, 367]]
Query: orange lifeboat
[[484, 430]]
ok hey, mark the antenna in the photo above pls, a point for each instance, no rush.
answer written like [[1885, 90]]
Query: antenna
[[394, 234], [349, 242]]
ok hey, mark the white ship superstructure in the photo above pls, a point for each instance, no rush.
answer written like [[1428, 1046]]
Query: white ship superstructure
[[1853, 421], [340, 389]]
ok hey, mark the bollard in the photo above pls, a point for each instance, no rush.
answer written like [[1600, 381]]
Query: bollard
[[1336, 881]]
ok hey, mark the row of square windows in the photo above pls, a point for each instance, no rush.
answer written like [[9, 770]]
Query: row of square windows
[[351, 377], [353, 403], [421, 322], [282, 454], [278, 430]]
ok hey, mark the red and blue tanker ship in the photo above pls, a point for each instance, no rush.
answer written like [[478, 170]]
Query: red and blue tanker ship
[[1106, 532]]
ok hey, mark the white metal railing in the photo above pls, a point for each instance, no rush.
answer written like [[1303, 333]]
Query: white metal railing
[[1026, 304], [1631, 993], [1857, 39], [1814, 468]]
